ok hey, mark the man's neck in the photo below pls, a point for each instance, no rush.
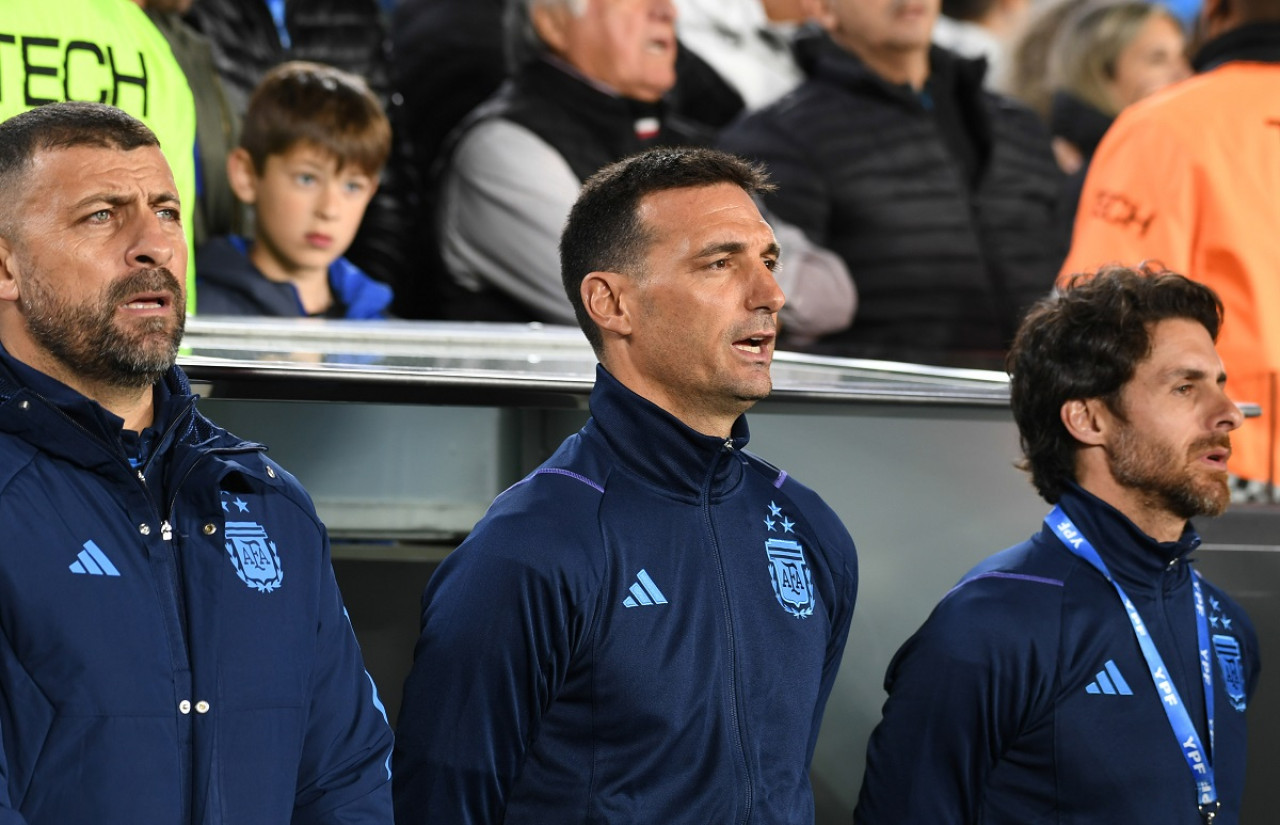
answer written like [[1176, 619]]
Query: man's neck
[[1145, 510], [135, 405], [901, 67]]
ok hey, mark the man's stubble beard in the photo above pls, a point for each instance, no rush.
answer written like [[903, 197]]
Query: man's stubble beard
[[90, 340], [1165, 478]]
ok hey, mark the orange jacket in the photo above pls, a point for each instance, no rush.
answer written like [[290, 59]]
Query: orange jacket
[[1191, 178]]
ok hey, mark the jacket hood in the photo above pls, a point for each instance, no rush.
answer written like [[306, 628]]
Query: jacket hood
[[83, 421]]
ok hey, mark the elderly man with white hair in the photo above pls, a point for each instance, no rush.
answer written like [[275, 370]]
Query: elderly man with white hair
[[588, 90]]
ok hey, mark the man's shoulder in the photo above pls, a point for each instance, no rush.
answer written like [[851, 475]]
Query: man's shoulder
[[500, 145], [831, 529], [1025, 581], [229, 451], [554, 506], [1187, 108], [804, 110]]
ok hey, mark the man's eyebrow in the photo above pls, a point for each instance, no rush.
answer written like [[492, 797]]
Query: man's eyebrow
[[120, 198], [108, 198], [1192, 374], [733, 248]]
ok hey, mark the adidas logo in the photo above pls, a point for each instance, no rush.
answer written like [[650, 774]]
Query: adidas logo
[[644, 592], [1109, 682], [93, 562]]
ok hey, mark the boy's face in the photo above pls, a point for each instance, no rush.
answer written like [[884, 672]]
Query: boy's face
[[307, 211]]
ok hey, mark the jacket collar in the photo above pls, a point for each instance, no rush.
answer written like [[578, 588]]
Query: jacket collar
[[660, 448], [620, 121], [824, 59], [1137, 561], [18, 380], [1254, 42], [225, 262]]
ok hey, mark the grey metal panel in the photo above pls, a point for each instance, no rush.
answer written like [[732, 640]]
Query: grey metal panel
[[379, 471]]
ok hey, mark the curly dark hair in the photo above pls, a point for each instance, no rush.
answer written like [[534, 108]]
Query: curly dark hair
[[1086, 341]]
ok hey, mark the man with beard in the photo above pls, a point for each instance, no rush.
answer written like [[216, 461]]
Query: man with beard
[[173, 647], [1088, 675]]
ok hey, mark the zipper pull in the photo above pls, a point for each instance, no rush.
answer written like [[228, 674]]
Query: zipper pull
[[166, 531]]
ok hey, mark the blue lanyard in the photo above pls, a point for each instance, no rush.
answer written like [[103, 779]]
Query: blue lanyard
[[1197, 759], [276, 8]]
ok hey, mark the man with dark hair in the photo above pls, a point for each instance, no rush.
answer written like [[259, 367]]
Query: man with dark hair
[[647, 627], [110, 51], [173, 647], [1088, 675]]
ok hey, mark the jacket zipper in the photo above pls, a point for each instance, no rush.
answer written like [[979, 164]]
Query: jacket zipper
[[748, 791], [166, 529], [166, 535]]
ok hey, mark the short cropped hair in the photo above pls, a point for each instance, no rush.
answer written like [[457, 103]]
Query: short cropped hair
[[1086, 342], [59, 126], [604, 232], [300, 102]]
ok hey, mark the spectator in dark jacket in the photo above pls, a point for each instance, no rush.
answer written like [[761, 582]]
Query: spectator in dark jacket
[[940, 197]]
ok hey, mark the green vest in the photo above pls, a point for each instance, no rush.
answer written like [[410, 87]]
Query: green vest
[[104, 51]]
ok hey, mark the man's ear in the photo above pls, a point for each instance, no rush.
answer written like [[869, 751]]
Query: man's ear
[[243, 175], [1088, 420], [605, 297], [551, 23], [8, 265]]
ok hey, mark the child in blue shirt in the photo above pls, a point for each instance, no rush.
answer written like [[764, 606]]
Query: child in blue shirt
[[313, 144]]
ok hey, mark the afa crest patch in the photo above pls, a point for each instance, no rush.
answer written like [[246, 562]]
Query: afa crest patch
[[1231, 664], [254, 556], [791, 577], [1230, 657], [253, 553]]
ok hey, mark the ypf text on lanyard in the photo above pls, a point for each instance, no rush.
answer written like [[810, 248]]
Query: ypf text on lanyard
[[1198, 759]]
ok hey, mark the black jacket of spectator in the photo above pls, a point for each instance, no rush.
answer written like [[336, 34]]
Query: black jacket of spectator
[[943, 204]]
